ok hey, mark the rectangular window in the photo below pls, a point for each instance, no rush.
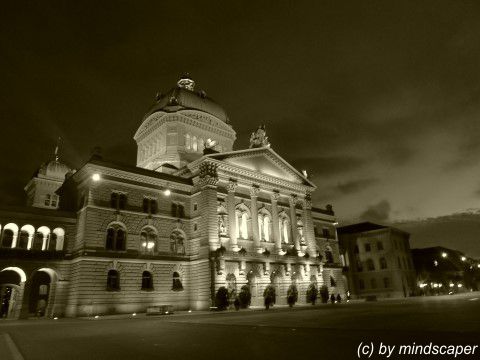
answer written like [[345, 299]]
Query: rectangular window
[[195, 227], [47, 200], [149, 205], [368, 248], [325, 233], [379, 246], [386, 282], [195, 207], [118, 200]]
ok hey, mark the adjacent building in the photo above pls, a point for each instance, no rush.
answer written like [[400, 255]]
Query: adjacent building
[[192, 216], [378, 261]]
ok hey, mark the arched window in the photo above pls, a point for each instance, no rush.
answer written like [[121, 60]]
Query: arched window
[[370, 265], [52, 242], [113, 280], [194, 143], [60, 238], [201, 144], [329, 255], [300, 232], [177, 240], [40, 239], [266, 228], [7, 238], [383, 263], [176, 282], [188, 142], [264, 225], [244, 226], [23, 239], [116, 238], [333, 283], [284, 230], [148, 241], [147, 281]]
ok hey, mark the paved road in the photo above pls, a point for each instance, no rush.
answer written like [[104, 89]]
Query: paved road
[[320, 332]]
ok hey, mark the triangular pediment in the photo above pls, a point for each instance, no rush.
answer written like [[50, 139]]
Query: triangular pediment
[[264, 161]]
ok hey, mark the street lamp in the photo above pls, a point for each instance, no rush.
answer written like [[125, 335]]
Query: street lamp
[[444, 254], [464, 258]]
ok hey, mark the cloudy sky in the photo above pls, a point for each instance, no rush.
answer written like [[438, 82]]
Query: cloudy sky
[[377, 100]]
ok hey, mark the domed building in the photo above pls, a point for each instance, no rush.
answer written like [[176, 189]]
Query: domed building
[[41, 189], [192, 219]]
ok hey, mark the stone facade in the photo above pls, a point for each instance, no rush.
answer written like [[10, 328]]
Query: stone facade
[[173, 229], [378, 261]]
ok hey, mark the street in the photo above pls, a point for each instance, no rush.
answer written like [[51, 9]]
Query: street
[[324, 331]]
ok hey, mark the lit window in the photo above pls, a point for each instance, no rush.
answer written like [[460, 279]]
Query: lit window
[[244, 226], [148, 241], [194, 143]]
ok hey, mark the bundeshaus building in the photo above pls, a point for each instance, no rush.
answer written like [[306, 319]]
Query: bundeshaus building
[[191, 217]]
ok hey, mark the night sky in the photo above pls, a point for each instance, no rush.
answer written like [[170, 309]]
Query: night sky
[[377, 100]]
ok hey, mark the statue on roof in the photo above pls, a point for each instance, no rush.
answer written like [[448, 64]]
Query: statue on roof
[[259, 138]]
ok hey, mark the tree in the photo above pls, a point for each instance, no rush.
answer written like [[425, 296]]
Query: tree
[[221, 298], [269, 296], [324, 294], [245, 297], [292, 295], [312, 294]]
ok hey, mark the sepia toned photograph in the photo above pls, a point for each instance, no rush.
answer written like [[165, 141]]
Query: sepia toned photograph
[[246, 180]]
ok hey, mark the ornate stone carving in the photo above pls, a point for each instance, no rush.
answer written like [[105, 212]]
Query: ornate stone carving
[[254, 190], [308, 201], [275, 196], [232, 186], [259, 138], [208, 174], [293, 199]]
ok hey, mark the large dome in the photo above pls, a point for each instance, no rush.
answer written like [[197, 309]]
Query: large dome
[[183, 97]]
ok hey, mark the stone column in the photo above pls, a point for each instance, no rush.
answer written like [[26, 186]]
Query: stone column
[[254, 210], [293, 221], [208, 185], [309, 230], [275, 225], [232, 223]]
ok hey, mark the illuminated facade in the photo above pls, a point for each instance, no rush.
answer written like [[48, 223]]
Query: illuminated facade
[[193, 216]]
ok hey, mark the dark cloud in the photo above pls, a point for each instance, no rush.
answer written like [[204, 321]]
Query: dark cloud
[[355, 186], [379, 212]]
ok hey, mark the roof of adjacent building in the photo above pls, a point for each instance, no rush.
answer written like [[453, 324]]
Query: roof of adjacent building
[[360, 227], [184, 97]]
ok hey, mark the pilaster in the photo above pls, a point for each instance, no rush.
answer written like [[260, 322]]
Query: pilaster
[[231, 187], [254, 190]]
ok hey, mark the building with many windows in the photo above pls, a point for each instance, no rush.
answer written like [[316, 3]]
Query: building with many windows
[[191, 217], [378, 261]]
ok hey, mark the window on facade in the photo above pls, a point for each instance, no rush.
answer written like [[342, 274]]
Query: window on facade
[[332, 281], [386, 282], [147, 281], [7, 238], [23, 240], [325, 233], [52, 242], [118, 200], [264, 227], [195, 207], [177, 242], [48, 198], [361, 284], [359, 265], [194, 143], [368, 248], [113, 280], [379, 246], [149, 205], [284, 230], [54, 200], [188, 142], [242, 225], [148, 241], [43, 289], [370, 265], [176, 282], [116, 238], [195, 227], [329, 255], [383, 263], [178, 210], [38, 241], [373, 283]]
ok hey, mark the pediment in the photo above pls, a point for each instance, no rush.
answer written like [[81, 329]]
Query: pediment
[[264, 161]]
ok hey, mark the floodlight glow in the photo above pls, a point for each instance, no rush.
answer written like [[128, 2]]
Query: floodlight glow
[[444, 254], [167, 192], [464, 258], [96, 177]]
